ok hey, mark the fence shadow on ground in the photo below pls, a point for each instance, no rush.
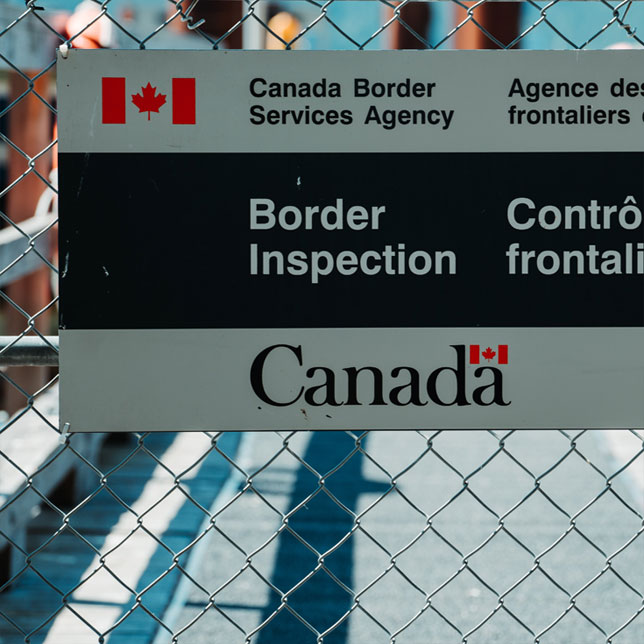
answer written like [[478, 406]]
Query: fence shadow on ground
[[322, 523]]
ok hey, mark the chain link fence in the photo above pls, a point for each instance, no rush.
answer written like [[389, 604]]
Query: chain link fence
[[306, 536]]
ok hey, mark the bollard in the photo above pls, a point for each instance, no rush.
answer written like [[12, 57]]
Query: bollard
[[416, 16], [501, 20]]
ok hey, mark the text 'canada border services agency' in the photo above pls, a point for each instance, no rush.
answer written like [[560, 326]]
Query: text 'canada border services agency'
[[388, 119]]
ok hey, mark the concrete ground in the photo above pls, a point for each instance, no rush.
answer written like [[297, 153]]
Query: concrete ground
[[446, 554], [432, 561]]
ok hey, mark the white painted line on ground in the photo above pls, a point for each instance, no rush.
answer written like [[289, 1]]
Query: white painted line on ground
[[185, 586], [130, 560], [68, 628]]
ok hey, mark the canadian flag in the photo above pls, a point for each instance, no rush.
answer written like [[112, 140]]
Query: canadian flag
[[489, 354], [148, 99]]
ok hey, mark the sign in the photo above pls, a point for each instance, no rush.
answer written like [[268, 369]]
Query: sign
[[351, 240]]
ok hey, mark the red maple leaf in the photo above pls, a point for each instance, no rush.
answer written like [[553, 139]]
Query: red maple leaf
[[488, 354], [148, 100]]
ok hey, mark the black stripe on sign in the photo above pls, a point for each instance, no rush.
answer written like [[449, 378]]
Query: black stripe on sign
[[164, 241]]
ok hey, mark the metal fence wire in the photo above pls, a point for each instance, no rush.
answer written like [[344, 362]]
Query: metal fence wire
[[428, 537]]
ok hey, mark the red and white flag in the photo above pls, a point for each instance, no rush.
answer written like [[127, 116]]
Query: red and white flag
[[489, 354], [148, 99]]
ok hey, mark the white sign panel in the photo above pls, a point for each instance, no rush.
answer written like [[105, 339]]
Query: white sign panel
[[351, 240]]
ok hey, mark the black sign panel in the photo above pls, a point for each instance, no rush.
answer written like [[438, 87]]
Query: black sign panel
[[416, 240]]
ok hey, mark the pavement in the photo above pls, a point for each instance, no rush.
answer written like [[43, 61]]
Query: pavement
[[428, 559], [572, 523]]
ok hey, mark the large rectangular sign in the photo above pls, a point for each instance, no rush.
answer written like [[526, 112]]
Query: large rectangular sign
[[351, 240]]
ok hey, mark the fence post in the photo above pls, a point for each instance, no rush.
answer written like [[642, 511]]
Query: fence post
[[500, 19], [30, 129], [254, 31]]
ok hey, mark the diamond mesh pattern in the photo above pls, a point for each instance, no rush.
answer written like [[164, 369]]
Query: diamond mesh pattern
[[336, 537]]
